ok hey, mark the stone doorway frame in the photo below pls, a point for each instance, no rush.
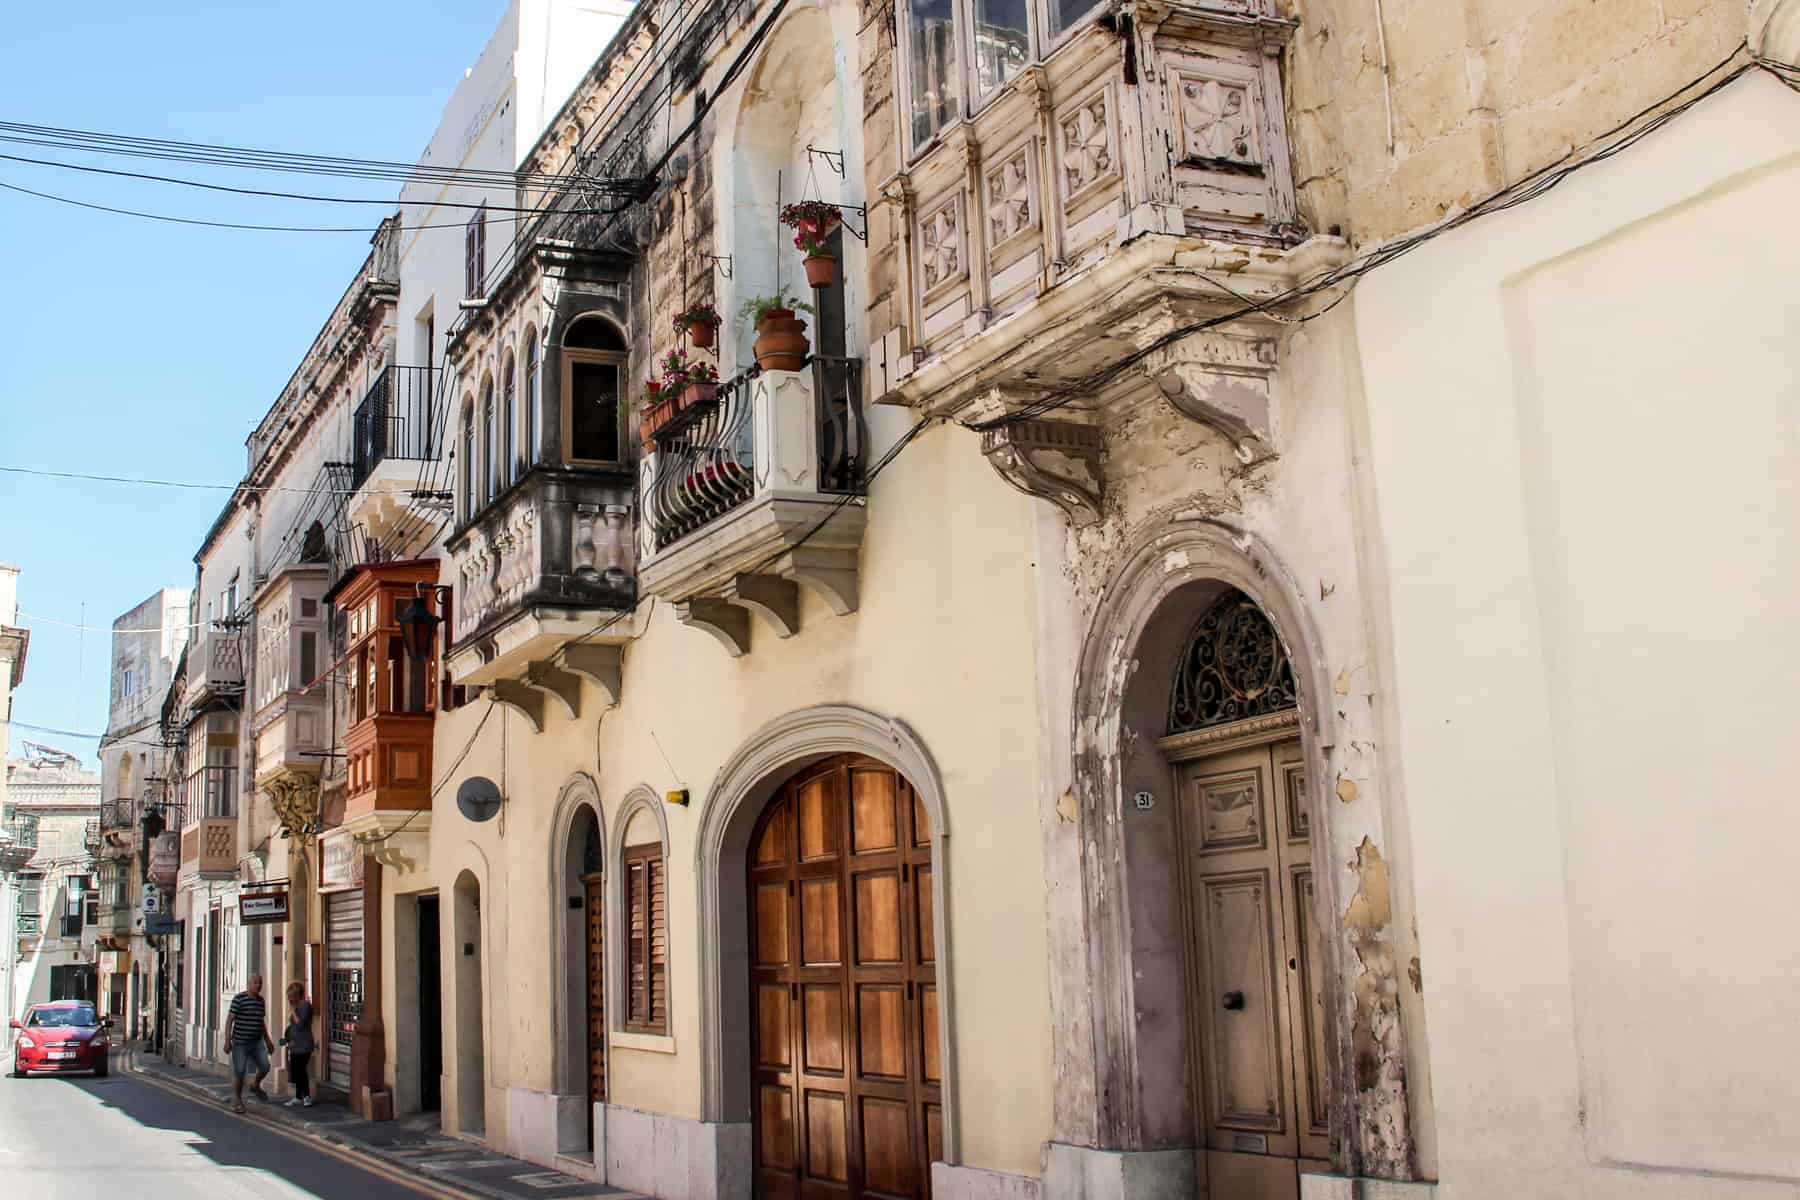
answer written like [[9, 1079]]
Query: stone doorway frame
[[1116, 1093], [574, 1120], [739, 791]]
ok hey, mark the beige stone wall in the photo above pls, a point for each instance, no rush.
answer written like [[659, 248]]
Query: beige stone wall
[[1483, 93]]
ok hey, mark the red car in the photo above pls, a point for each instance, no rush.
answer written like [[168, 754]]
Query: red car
[[64, 1035]]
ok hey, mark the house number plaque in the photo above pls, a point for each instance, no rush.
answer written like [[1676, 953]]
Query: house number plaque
[[1145, 801]]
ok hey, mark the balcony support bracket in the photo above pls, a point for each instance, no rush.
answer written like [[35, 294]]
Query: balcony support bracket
[[527, 701], [1055, 460], [552, 680], [598, 664], [829, 572], [774, 599], [727, 622]]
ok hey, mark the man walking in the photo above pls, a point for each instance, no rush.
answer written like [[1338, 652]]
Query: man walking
[[247, 1038]]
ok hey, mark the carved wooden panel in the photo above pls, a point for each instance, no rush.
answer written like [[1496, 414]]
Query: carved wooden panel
[[942, 258], [1293, 794], [774, 1035], [1088, 144], [1239, 936], [1309, 1007], [1229, 810], [1011, 204], [821, 939]]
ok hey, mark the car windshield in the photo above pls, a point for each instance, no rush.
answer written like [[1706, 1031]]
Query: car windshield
[[81, 1016]]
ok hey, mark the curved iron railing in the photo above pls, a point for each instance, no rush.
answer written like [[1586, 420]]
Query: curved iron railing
[[708, 468]]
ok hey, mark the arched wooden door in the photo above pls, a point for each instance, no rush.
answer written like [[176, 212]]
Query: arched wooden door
[[843, 986]]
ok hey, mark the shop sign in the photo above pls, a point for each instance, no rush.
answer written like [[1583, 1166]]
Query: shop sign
[[263, 908], [340, 862], [165, 857], [161, 924], [111, 962]]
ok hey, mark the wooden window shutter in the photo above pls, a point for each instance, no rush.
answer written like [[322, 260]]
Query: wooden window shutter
[[646, 941]]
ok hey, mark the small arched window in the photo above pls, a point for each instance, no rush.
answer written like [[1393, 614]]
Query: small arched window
[[509, 469], [593, 379], [490, 442], [644, 915], [534, 417]]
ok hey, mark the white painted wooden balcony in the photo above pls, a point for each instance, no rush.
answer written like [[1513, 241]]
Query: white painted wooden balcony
[[756, 497], [215, 666]]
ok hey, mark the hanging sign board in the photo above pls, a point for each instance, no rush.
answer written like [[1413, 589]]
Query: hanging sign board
[[263, 908], [152, 901], [165, 857], [161, 924], [340, 862]]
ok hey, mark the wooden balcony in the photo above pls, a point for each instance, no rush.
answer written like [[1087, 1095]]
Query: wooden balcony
[[209, 847], [215, 667]]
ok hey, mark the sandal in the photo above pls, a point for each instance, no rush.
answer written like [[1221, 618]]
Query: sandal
[[237, 1106]]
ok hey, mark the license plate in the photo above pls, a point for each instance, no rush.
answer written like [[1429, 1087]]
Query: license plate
[[62, 1054]]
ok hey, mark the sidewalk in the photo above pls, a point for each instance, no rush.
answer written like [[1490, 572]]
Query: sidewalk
[[412, 1145]]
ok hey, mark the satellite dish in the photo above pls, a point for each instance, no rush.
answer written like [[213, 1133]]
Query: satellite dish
[[478, 798]]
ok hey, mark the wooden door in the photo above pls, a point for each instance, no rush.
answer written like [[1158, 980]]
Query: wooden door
[[843, 986], [596, 993], [1258, 1002]]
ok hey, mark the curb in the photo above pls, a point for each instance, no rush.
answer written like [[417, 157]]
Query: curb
[[343, 1148]]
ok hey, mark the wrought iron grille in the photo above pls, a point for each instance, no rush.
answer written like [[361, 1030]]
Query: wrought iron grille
[[345, 984], [1234, 666]]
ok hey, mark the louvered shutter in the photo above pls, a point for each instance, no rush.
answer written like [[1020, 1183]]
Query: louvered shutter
[[646, 941]]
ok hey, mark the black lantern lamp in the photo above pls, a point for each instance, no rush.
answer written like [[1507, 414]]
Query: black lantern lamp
[[418, 625]]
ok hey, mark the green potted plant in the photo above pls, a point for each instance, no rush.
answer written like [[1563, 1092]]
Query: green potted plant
[[781, 342], [813, 221], [701, 324]]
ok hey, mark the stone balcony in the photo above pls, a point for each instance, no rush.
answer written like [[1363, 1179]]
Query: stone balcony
[[534, 570], [209, 847], [215, 667], [756, 497]]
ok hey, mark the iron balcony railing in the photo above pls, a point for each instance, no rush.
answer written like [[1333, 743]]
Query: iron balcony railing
[[393, 421], [706, 467], [115, 814]]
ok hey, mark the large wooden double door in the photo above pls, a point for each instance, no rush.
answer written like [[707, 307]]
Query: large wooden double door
[[843, 987], [1258, 1003]]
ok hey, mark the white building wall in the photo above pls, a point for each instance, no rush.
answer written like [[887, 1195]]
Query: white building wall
[[1582, 444]]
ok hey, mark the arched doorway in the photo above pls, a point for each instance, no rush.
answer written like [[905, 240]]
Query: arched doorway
[[584, 952], [1244, 820], [471, 1039], [845, 1064]]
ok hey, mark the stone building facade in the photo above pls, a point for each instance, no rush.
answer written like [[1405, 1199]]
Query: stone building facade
[[1157, 703]]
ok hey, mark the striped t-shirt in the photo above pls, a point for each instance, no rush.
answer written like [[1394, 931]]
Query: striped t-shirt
[[246, 1018]]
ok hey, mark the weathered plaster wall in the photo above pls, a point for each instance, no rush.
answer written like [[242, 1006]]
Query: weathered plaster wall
[[1589, 609], [1483, 92]]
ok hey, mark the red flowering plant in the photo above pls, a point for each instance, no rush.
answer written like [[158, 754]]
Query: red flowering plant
[[812, 222], [699, 314], [675, 374]]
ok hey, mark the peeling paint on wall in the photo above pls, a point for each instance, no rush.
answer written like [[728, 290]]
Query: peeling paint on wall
[[1377, 1057]]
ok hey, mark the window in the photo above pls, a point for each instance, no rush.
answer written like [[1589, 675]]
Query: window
[[647, 941], [468, 463], [309, 657], [936, 90], [30, 894], [533, 417], [507, 415], [490, 444], [1002, 42], [77, 888], [1065, 13], [129, 684], [230, 601], [593, 371], [475, 255]]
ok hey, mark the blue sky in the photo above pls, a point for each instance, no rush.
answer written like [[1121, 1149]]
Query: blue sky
[[130, 347]]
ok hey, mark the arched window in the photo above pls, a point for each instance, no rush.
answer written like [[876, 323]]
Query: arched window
[[643, 918], [593, 378], [490, 442], [470, 503], [534, 417], [509, 469], [1234, 666]]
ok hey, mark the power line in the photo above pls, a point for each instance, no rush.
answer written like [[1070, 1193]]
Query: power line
[[175, 483]]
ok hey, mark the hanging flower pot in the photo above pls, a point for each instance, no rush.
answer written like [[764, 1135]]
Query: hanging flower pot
[[701, 325], [821, 270], [781, 342], [813, 223]]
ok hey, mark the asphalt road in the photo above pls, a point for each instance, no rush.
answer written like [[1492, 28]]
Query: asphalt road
[[78, 1138]]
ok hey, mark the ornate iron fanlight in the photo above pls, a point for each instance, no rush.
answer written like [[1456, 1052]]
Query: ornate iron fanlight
[[1234, 666]]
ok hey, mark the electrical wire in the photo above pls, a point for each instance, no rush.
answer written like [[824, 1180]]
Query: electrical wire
[[175, 483]]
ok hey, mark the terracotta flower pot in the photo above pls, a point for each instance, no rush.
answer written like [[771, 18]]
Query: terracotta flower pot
[[821, 270], [702, 334], [696, 394], [647, 435], [781, 342]]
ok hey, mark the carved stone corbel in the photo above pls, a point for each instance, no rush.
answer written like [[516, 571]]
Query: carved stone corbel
[[1055, 460], [774, 599], [725, 621], [598, 664], [528, 702], [552, 680], [1222, 381]]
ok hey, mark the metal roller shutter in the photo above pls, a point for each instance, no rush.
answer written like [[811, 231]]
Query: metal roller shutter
[[343, 979]]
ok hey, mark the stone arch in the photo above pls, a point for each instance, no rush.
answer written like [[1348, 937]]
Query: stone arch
[[577, 811], [1130, 1070], [732, 805]]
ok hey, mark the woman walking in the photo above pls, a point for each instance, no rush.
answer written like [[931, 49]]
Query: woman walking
[[300, 1044]]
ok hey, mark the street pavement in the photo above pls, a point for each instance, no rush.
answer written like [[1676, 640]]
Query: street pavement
[[79, 1138]]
